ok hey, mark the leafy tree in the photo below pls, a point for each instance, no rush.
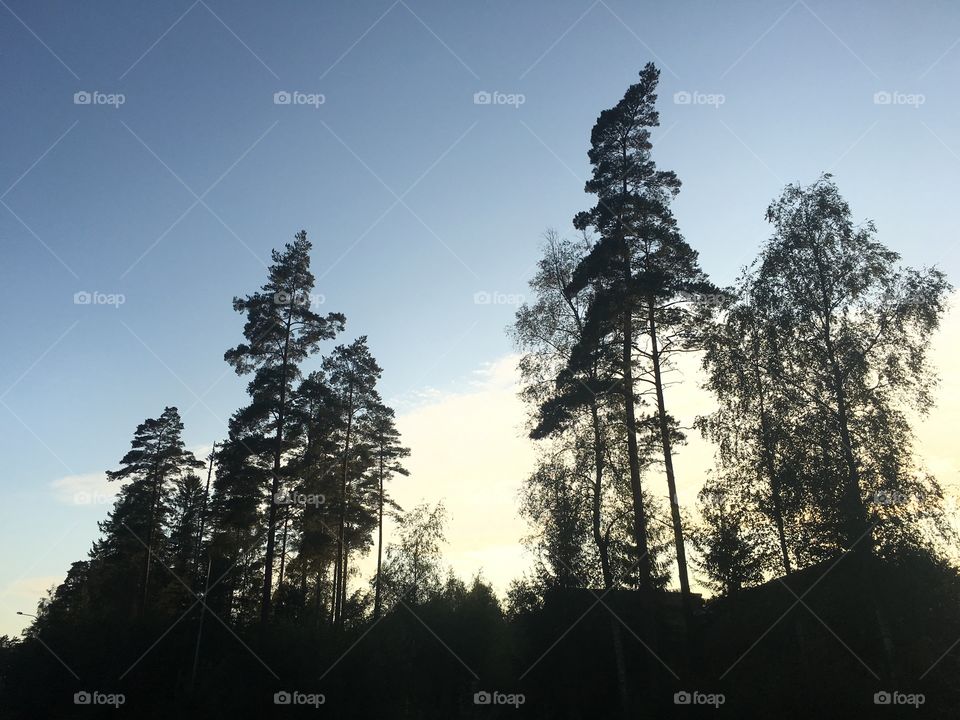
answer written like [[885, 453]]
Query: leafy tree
[[413, 568], [852, 333], [756, 426]]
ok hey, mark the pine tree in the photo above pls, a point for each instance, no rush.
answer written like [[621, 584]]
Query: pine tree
[[388, 453], [281, 331], [641, 272], [353, 373], [157, 459]]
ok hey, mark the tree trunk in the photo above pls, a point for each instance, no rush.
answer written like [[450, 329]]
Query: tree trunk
[[154, 501], [338, 612], [668, 465], [770, 463], [203, 511], [275, 483], [283, 548], [636, 489], [343, 584], [335, 585], [376, 592]]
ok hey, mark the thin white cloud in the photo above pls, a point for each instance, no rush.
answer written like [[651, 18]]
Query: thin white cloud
[[85, 489]]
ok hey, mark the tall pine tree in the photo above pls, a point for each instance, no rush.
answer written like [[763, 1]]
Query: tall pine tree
[[281, 331]]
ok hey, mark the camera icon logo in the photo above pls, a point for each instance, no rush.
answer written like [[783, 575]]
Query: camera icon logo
[[682, 98], [482, 98], [882, 98], [482, 698], [82, 97], [82, 698], [682, 698], [82, 298], [882, 698], [282, 97], [282, 698]]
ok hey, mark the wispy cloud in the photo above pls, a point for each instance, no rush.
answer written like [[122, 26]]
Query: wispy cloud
[[85, 489]]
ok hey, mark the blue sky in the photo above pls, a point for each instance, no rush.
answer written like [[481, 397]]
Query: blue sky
[[416, 198]]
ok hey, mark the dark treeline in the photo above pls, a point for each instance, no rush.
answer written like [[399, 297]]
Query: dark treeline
[[218, 583]]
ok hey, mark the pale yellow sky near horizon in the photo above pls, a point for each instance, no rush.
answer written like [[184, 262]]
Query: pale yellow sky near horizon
[[469, 449]]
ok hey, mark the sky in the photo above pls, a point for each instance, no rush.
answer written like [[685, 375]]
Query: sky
[[154, 154]]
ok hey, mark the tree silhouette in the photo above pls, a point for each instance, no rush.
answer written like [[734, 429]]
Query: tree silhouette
[[281, 331]]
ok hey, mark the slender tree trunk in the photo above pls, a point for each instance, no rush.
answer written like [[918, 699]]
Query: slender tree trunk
[[668, 465], [203, 608], [376, 592], [859, 536], [272, 524], [154, 502], [852, 508], [149, 549], [633, 452], [335, 585], [855, 516], [318, 600], [203, 511], [769, 460], [275, 482], [343, 510], [855, 513], [343, 584], [603, 549], [283, 548]]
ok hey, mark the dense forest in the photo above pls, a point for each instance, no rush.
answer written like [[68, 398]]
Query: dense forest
[[230, 585]]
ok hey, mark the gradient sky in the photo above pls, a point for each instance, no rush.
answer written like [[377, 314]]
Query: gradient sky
[[415, 197]]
